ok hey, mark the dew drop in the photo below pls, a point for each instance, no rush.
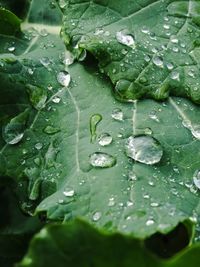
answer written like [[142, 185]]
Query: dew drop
[[196, 178], [132, 176], [150, 222], [68, 192], [126, 39], [64, 78], [175, 75], [102, 160], [11, 49], [105, 139], [45, 62], [111, 202], [62, 4], [51, 130], [144, 149], [56, 100], [39, 146], [158, 61], [117, 114], [94, 121], [96, 216]]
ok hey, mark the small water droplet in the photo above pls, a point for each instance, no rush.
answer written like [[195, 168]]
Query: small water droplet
[[45, 61], [175, 75], [39, 146], [144, 149], [158, 61], [105, 139], [62, 4], [154, 204], [170, 66], [117, 114], [51, 130], [126, 39], [11, 49], [150, 222], [64, 78], [96, 216], [56, 99], [102, 160], [132, 176], [111, 202], [196, 178], [174, 39]]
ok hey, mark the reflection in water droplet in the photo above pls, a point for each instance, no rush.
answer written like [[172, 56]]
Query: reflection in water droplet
[[51, 130], [111, 202], [144, 149], [175, 75], [196, 178], [94, 121], [158, 61], [38, 146], [117, 114], [96, 216], [105, 139], [150, 222], [68, 192], [102, 160], [64, 78], [56, 100], [126, 39]]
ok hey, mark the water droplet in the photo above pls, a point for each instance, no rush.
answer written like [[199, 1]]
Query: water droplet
[[11, 49], [96, 216], [51, 130], [195, 130], [45, 61], [144, 149], [174, 39], [105, 139], [132, 176], [129, 203], [126, 39], [158, 61], [13, 132], [67, 58], [170, 66], [154, 204], [111, 202], [64, 78], [94, 121], [69, 192], [150, 222], [117, 114], [56, 99], [62, 4], [175, 75], [39, 146], [37, 96], [102, 160], [196, 178]]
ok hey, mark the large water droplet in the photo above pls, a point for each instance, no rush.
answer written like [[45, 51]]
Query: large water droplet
[[64, 78], [37, 96], [105, 139], [117, 114], [196, 178], [158, 61], [126, 39], [144, 149], [102, 160], [94, 121]]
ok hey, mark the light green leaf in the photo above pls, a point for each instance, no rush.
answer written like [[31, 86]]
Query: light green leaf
[[147, 48]]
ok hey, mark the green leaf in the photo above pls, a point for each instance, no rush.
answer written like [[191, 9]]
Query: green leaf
[[9, 23], [144, 55], [16, 229], [77, 244], [19, 7]]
